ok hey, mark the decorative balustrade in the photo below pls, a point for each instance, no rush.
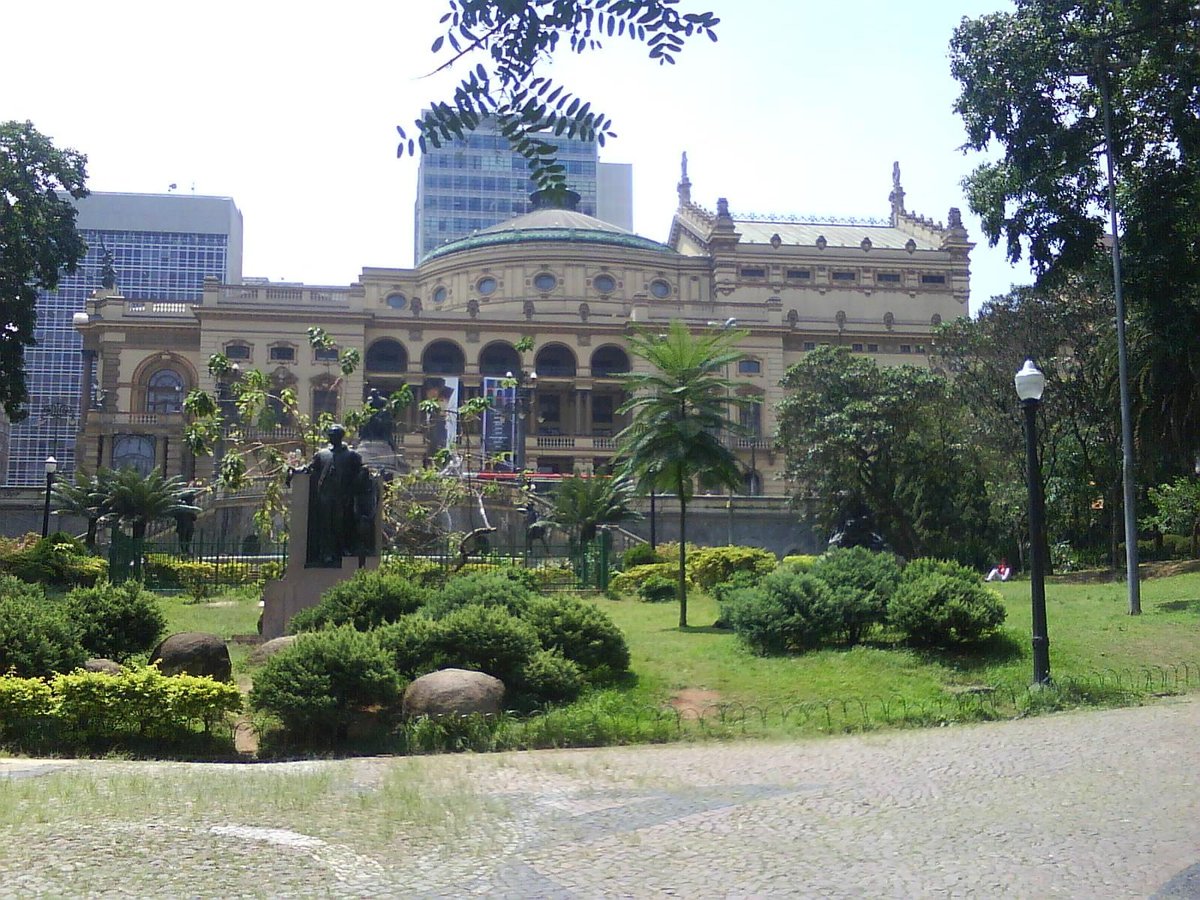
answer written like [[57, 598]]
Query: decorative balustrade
[[174, 420], [262, 293], [170, 309]]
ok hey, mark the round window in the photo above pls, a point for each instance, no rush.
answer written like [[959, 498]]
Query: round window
[[545, 282], [439, 295], [397, 301], [486, 286], [605, 284], [660, 289]]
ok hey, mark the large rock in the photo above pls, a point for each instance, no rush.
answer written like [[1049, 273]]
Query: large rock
[[265, 651], [454, 692], [193, 653], [105, 666]]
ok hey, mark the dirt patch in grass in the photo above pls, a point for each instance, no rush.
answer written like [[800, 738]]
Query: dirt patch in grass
[[695, 701], [1146, 570]]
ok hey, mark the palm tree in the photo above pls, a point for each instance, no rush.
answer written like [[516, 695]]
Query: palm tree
[[680, 411], [582, 505], [135, 500], [82, 498]]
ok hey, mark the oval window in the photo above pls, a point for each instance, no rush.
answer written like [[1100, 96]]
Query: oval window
[[545, 282], [605, 284], [397, 301], [486, 286], [439, 295], [660, 289]]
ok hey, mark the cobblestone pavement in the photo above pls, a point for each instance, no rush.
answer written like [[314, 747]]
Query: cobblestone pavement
[[1092, 804]]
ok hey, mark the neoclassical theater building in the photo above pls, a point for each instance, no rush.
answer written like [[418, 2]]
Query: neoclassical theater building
[[572, 284]]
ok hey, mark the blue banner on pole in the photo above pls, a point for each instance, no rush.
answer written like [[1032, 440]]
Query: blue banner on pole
[[500, 423]]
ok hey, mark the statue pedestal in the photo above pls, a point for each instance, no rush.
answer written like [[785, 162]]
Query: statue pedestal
[[302, 586]]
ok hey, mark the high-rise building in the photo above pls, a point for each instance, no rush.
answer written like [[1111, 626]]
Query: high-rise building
[[474, 183], [159, 246]]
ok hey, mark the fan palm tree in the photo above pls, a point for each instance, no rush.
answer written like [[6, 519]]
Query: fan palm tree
[[681, 409], [134, 500], [582, 505], [81, 497]]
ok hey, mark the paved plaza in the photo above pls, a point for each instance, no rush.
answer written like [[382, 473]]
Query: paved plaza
[[1089, 804]]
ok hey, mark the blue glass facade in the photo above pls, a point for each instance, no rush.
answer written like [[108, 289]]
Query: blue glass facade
[[162, 265]]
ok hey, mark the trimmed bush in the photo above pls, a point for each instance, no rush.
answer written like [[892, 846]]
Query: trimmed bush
[[658, 589], [59, 560], [490, 589], [419, 571], [939, 609], [787, 611], [22, 702], [317, 686], [549, 677], [582, 633], [739, 581], [639, 555], [519, 574], [712, 565], [116, 621], [365, 601], [629, 581], [799, 562], [37, 637], [412, 644], [927, 565], [863, 582], [487, 639]]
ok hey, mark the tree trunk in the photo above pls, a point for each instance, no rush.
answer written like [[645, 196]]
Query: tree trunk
[[682, 559], [90, 540]]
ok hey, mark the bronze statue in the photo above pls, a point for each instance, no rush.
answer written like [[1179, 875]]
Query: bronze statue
[[341, 504], [380, 426]]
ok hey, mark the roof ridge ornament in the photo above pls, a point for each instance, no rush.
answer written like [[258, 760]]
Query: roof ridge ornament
[[896, 197], [685, 184]]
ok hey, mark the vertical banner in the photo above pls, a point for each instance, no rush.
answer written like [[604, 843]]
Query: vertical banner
[[442, 432], [499, 423]]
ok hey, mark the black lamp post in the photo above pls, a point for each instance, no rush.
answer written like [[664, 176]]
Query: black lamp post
[[51, 468], [521, 412], [1030, 383]]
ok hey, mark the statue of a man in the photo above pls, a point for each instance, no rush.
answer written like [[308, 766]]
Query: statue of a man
[[335, 507], [379, 427]]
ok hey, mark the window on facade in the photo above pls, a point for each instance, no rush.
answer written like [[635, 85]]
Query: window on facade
[[660, 289], [282, 354], [799, 274], [439, 295], [164, 392], [906, 348], [750, 418], [872, 348], [887, 277], [933, 279], [749, 367], [397, 301], [920, 348], [237, 351], [602, 409], [326, 354], [605, 284], [753, 272], [545, 282], [810, 345], [324, 400], [486, 286], [844, 276], [134, 451], [857, 348]]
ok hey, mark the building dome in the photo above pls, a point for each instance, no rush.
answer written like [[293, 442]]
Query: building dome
[[554, 226]]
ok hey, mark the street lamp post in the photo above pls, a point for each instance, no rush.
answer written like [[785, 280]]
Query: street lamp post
[[522, 415], [51, 468], [1030, 383]]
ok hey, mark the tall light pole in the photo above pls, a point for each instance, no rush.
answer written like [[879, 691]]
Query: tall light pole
[[1030, 383], [51, 468]]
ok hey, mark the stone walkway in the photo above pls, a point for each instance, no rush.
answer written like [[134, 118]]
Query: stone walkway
[[1094, 804]]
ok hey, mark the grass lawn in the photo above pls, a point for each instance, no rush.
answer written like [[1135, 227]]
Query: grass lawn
[[230, 611]]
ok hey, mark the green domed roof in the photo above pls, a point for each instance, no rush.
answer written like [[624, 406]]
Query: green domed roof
[[550, 225]]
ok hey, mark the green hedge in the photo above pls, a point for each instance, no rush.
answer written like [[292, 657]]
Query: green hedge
[[59, 560]]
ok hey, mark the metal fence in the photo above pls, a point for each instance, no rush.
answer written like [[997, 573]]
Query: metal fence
[[205, 561]]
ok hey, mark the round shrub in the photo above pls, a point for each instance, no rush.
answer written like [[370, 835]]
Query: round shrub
[[863, 582], [739, 581], [519, 574], [787, 611], [712, 565], [582, 633], [927, 565], [116, 621], [549, 677], [367, 600], [488, 589], [37, 637], [630, 580], [421, 571], [486, 639], [412, 644], [658, 589], [938, 609], [799, 562], [319, 684], [639, 555]]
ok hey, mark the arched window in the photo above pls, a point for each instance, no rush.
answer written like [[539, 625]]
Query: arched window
[[386, 355], [164, 392], [555, 360], [443, 358], [609, 361], [498, 359]]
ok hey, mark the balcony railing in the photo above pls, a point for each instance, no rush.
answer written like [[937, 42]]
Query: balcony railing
[[174, 420], [261, 293]]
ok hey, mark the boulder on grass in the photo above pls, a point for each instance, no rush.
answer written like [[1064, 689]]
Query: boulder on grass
[[193, 653], [266, 650], [454, 692], [106, 666]]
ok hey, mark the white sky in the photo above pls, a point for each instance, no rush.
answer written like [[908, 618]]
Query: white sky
[[291, 109]]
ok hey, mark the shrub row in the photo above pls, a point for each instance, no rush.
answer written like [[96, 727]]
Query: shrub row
[[58, 560]]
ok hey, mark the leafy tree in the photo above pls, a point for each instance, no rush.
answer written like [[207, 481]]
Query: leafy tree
[[888, 438], [83, 498], [1176, 510], [134, 500], [1032, 83], [582, 505], [512, 38], [38, 241], [681, 410]]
